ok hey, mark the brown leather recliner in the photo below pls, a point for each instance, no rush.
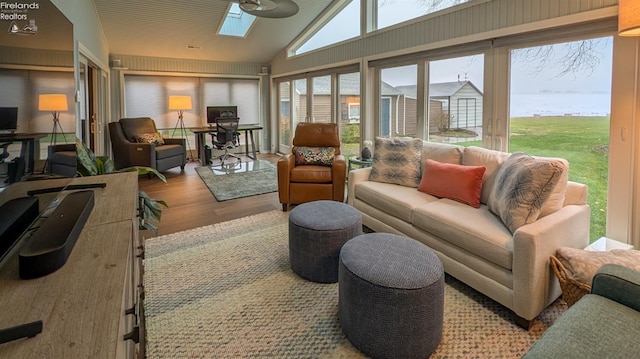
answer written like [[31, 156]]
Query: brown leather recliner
[[306, 183]]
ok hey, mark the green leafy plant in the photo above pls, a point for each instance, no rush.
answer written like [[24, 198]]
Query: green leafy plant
[[149, 209]]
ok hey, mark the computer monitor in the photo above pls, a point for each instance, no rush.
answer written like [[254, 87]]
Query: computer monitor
[[8, 119], [214, 111]]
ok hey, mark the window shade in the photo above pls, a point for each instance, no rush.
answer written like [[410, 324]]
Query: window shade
[[148, 96]]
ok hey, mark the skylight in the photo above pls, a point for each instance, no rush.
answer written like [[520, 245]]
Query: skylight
[[237, 22]]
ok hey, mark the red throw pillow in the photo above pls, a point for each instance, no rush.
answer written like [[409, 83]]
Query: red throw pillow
[[456, 182]]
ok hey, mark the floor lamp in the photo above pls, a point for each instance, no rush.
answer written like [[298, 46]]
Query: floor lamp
[[180, 103], [53, 103]]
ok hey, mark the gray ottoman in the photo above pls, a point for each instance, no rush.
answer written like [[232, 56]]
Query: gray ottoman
[[317, 231], [391, 296]]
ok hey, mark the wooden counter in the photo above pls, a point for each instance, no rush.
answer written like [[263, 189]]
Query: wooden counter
[[82, 305]]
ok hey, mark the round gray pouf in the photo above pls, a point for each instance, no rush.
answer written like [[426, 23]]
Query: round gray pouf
[[391, 296], [317, 231]]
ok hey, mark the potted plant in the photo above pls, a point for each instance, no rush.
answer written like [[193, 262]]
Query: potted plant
[[150, 209]]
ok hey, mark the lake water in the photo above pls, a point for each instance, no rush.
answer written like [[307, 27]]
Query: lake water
[[560, 104]]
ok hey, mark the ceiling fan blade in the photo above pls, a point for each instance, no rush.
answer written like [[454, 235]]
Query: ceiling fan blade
[[283, 8]]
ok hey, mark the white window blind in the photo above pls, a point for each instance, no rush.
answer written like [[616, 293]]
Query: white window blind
[[243, 93], [148, 96], [20, 88]]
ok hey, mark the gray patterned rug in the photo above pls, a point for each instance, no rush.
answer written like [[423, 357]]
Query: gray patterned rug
[[227, 291], [239, 180]]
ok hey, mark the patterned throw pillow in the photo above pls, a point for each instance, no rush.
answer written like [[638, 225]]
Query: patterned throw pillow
[[582, 265], [320, 156], [522, 186], [154, 137], [397, 160]]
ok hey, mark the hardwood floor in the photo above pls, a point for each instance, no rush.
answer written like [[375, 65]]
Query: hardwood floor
[[191, 204]]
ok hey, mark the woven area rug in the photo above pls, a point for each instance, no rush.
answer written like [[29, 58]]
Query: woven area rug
[[241, 180], [227, 291]]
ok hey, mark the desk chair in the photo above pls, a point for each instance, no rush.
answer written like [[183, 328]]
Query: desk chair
[[5, 152], [226, 137]]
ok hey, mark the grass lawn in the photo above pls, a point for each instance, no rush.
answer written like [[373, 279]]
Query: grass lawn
[[583, 141]]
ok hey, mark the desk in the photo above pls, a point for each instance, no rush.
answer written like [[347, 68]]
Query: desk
[[248, 129], [28, 149]]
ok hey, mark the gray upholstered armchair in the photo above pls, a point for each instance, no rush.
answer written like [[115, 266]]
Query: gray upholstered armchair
[[602, 324], [127, 151], [62, 159]]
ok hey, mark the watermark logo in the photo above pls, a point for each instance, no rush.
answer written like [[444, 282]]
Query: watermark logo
[[17, 14]]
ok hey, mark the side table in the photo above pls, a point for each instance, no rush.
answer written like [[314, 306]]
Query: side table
[[357, 161], [605, 244]]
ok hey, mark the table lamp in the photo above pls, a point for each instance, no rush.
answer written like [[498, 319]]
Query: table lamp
[[629, 18], [54, 103], [180, 103]]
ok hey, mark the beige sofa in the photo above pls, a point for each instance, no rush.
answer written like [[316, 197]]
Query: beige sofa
[[473, 243]]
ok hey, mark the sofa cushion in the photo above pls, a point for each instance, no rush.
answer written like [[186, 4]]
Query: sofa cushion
[[133, 126], [167, 151], [456, 182], [475, 230], [491, 160], [397, 201], [594, 328], [441, 152], [582, 264], [397, 160], [523, 185], [321, 156], [310, 174]]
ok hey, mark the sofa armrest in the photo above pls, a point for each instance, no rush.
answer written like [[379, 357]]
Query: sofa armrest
[[618, 283], [533, 244], [141, 154], [176, 141], [576, 193], [355, 177]]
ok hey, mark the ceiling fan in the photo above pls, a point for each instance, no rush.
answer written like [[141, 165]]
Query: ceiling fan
[[269, 8]]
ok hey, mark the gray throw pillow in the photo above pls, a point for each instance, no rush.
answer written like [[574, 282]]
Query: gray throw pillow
[[522, 186], [397, 160]]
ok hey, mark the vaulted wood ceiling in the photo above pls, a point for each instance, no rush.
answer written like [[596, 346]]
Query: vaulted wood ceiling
[[166, 28]]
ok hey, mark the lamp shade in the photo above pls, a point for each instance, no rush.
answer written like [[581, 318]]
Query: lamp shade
[[180, 103], [629, 18], [52, 102]]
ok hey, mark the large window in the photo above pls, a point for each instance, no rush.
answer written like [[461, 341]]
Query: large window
[[325, 98], [20, 88], [456, 99], [344, 25], [322, 95], [349, 108], [284, 114], [398, 110], [148, 96], [560, 106], [392, 12]]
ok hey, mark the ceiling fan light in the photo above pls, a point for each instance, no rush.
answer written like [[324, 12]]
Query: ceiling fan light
[[249, 5]]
